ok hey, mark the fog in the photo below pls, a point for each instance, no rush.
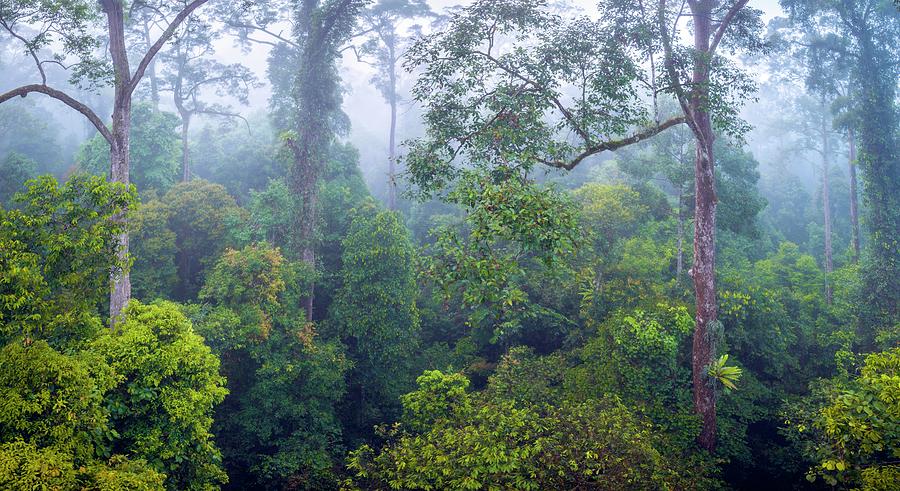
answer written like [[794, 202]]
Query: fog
[[411, 244], [366, 108]]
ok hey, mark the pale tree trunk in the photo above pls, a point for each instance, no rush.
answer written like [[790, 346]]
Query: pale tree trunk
[[120, 279], [703, 271], [179, 99], [826, 208], [185, 147], [392, 141], [854, 197], [151, 69], [125, 82]]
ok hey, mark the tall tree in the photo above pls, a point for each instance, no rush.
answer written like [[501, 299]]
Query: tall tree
[[189, 70], [826, 76], [566, 91], [306, 95], [869, 30], [375, 312], [320, 28], [385, 46], [699, 95], [69, 24]]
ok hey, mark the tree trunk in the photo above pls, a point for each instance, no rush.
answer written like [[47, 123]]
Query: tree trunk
[[304, 182], [392, 142], [120, 291], [679, 260], [854, 197], [185, 147], [154, 84], [880, 164], [826, 206], [703, 270], [315, 94]]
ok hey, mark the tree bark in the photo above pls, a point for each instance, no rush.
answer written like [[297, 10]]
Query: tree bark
[[303, 180], [679, 260], [880, 162], [854, 196], [826, 205], [120, 291], [316, 95], [703, 271]]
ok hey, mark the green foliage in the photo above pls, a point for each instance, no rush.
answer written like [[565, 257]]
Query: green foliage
[[737, 178], [452, 439], [240, 158], [153, 247], [628, 259], [640, 356], [55, 432], [342, 191], [728, 376], [57, 251], [15, 169], [66, 25], [609, 213], [375, 314], [279, 423], [510, 225], [861, 424], [865, 35], [250, 283], [437, 397], [155, 150], [491, 105], [25, 466], [199, 215], [25, 133], [167, 384], [270, 220], [54, 400]]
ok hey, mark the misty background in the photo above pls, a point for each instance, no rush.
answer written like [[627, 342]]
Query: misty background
[[367, 110]]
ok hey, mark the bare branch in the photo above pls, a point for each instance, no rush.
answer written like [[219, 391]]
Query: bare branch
[[148, 57], [264, 31], [359, 58], [225, 114], [30, 50], [66, 99], [615, 144], [669, 63]]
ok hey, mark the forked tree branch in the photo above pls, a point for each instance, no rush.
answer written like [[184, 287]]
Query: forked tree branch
[[163, 38]]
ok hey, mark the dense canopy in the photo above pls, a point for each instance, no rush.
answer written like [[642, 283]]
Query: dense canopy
[[441, 244]]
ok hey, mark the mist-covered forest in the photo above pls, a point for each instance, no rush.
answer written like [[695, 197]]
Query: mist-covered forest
[[441, 245]]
